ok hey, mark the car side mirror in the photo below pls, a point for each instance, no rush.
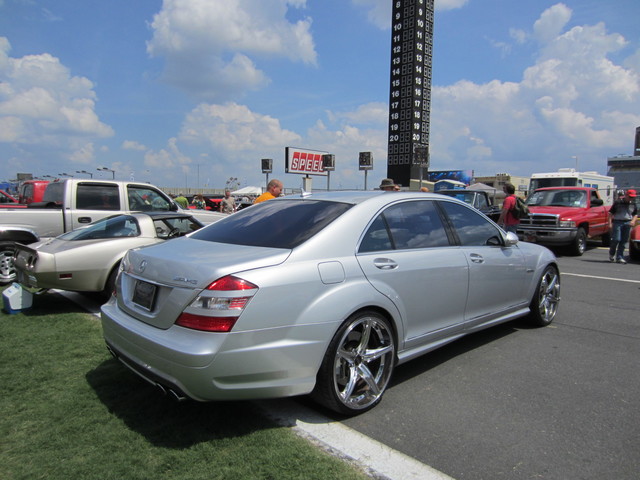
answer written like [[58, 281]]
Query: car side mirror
[[511, 239], [597, 202]]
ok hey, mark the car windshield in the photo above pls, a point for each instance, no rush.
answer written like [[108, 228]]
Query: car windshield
[[276, 224], [557, 198], [110, 227]]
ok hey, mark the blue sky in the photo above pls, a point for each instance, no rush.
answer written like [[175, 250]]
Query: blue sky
[[194, 92]]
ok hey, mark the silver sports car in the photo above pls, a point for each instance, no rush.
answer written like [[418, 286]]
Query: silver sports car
[[87, 259], [323, 294]]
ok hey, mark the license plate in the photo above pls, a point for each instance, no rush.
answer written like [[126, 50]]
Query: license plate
[[530, 237], [144, 294]]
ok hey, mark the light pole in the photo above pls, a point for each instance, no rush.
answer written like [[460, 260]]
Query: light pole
[[105, 169], [65, 175], [576, 157], [84, 171]]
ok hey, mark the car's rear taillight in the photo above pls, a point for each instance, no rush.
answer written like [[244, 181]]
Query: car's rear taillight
[[218, 306]]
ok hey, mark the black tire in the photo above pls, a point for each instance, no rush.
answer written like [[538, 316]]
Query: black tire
[[357, 366], [634, 251], [7, 268], [110, 286], [579, 245], [546, 298]]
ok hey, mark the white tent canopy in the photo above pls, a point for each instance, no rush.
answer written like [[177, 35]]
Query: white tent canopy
[[248, 191], [487, 188]]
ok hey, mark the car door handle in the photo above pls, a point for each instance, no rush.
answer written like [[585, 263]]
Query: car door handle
[[84, 219], [476, 258], [385, 264]]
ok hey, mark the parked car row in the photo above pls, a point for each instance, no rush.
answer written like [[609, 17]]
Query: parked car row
[[322, 294]]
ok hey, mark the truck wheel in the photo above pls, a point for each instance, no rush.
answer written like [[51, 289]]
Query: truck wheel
[[579, 243], [634, 251], [7, 269]]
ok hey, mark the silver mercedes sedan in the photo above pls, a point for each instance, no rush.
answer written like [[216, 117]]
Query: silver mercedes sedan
[[322, 294]]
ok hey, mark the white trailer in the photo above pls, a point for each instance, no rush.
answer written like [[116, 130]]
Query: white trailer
[[569, 177]]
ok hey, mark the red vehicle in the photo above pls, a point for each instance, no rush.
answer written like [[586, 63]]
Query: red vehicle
[[212, 202], [565, 216], [5, 198], [634, 240], [32, 191]]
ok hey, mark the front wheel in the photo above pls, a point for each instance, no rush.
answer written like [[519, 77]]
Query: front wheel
[[546, 298], [634, 251], [357, 366], [7, 268], [579, 243]]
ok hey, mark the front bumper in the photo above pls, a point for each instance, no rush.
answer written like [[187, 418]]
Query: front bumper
[[547, 236]]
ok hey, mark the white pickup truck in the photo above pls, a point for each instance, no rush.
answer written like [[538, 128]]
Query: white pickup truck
[[73, 203]]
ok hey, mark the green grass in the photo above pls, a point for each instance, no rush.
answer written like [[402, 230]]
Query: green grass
[[69, 411]]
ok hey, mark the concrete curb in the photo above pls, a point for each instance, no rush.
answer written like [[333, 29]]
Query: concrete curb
[[375, 458]]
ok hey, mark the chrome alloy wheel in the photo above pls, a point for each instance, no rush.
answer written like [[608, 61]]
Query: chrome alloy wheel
[[364, 360], [547, 297]]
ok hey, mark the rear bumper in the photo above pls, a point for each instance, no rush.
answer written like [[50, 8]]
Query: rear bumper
[[270, 363]]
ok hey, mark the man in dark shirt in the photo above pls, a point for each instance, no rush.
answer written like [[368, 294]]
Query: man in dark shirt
[[622, 217]]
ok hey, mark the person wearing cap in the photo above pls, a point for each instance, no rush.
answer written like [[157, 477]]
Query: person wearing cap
[[622, 217], [388, 185]]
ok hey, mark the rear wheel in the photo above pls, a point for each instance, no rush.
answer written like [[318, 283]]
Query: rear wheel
[[546, 298], [634, 250], [7, 268], [357, 365], [110, 286]]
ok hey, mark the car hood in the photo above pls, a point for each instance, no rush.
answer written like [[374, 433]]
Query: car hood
[[191, 263], [557, 210]]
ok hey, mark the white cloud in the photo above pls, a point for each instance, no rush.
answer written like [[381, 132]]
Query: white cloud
[[42, 104], [168, 160], [379, 11], [83, 155], [233, 127], [551, 22], [196, 38], [133, 145], [573, 96]]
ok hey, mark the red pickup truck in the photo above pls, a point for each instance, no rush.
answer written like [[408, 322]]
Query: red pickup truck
[[565, 216]]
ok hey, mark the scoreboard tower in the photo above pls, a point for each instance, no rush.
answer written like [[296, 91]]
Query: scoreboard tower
[[410, 92]]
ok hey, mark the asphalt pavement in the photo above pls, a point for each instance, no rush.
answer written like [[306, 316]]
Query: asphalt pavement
[[511, 402]]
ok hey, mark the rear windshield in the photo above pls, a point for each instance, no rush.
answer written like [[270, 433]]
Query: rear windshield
[[276, 224]]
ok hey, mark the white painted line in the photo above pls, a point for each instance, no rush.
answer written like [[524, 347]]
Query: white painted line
[[372, 456], [563, 274]]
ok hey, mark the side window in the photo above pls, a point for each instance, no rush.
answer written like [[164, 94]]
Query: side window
[[183, 225], [145, 199], [377, 237], [97, 197], [472, 229], [404, 226]]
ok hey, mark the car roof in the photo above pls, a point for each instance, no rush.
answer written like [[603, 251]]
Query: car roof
[[359, 196]]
